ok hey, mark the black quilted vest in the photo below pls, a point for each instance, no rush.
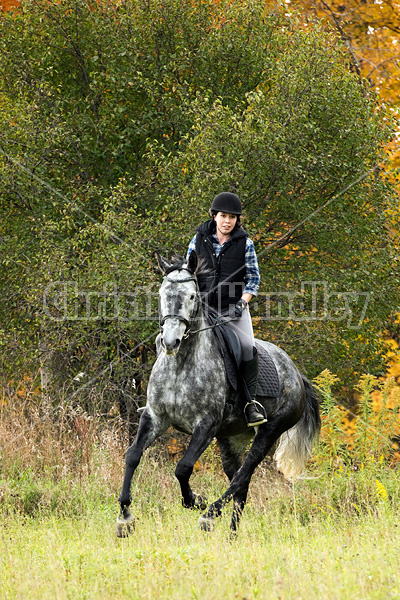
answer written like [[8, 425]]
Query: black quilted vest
[[224, 284]]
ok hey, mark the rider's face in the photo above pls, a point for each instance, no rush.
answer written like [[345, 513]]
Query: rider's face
[[225, 222]]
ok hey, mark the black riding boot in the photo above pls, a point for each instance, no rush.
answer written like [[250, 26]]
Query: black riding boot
[[253, 410]]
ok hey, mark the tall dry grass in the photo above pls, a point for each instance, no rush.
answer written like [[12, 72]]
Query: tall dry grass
[[51, 456], [62, 460], [331, 535]]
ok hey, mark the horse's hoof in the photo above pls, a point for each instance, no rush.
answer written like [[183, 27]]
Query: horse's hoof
[[125, 525], [206, 524], [200, 502]]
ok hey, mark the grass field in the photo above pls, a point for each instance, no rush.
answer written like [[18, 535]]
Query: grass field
[[315, 539], [333, 535], [169, 558]]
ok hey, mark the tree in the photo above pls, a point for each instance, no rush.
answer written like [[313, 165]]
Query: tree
[[120, 123], [370, 31]]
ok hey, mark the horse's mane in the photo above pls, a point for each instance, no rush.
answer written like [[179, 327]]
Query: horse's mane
[[179, 262]]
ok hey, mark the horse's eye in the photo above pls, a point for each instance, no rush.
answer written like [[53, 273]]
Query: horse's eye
[[192, 296]]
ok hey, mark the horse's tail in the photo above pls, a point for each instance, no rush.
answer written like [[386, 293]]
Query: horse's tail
[[295, 445]]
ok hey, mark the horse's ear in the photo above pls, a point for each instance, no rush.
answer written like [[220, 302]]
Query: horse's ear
[[162, 262], [193, 262]]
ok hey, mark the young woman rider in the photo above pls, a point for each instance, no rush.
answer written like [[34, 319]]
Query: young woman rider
[[232, 280]]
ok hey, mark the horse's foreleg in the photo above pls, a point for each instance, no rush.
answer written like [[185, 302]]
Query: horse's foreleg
[[147, 433], [201, 439]]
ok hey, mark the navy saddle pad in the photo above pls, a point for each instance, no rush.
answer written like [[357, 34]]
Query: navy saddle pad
[[268, 383]]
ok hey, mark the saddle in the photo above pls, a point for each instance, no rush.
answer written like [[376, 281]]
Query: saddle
[[268, 383]]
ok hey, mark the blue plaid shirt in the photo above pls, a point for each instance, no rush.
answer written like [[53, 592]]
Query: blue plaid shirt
[[252, 277]]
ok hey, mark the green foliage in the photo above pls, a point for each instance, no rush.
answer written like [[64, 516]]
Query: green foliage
[[362, 439], [119, 122]]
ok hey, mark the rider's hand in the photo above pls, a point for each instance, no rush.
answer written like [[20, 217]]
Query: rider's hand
[[239, 308]]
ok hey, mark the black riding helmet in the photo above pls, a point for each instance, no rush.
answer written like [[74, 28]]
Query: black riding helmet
[[228, 203]]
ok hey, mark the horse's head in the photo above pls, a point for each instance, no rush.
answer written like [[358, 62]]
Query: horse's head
[[179, 300]]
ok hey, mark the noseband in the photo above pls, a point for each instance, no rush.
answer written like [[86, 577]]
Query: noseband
[[179, 317]]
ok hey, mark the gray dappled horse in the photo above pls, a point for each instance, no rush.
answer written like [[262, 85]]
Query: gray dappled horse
[[189, 390]]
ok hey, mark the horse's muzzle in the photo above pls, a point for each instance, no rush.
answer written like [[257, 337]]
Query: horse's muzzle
[[171, 336], [170, 347]]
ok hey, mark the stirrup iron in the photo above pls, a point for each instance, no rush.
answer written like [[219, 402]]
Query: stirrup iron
[[255, 415]]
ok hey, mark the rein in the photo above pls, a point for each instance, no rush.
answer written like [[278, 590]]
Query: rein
[[188, 332], [209, 327]]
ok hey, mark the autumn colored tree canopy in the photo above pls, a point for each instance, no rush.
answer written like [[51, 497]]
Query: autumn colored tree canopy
[[370, 31]]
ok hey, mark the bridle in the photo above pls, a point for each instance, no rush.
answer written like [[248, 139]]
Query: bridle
[[188, 331], [162, 319]]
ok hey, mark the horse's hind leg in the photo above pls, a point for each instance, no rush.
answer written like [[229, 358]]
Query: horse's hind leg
[[266, 436], [201, 439], [232, 450], [148, 430]]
